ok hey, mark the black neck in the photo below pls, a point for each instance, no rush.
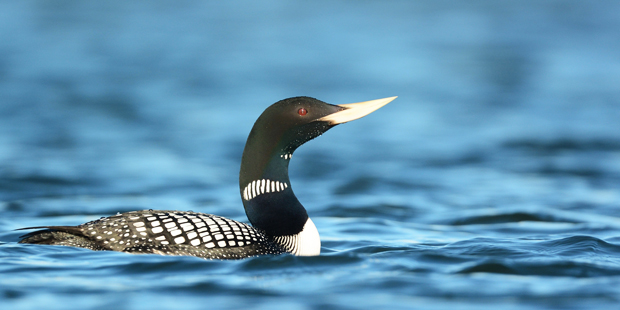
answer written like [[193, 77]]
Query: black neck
[[277, 213]]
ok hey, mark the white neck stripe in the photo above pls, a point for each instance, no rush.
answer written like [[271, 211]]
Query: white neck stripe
[[286, 156], [263, 186]]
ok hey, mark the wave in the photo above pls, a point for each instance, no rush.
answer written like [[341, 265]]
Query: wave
[[510, 217]]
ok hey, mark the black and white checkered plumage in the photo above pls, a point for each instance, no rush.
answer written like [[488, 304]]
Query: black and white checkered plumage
[[163, 232]]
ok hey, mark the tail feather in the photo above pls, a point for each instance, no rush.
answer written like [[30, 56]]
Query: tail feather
[[68, 229], [59, 235]]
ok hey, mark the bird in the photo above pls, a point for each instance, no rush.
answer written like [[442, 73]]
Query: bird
[[278, 221]]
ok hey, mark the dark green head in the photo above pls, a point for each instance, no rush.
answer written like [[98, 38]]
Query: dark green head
[[280, 130]]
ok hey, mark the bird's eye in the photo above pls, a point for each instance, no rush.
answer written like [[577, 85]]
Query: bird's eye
[[302, 111]]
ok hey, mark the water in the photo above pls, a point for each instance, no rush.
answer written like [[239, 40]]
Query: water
[[492, 181]]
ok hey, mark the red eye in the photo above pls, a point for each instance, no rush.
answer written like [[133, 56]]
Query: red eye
[[302, 111]]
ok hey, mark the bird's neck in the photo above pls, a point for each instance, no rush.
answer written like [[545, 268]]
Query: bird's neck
[[265, 188]]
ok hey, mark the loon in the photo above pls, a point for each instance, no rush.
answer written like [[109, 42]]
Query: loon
[[280, 224]]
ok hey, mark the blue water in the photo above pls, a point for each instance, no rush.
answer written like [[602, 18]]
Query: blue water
[[493, 181]]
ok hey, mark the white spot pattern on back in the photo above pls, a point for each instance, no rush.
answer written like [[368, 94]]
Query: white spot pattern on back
[[263, 186], [182, 233]]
